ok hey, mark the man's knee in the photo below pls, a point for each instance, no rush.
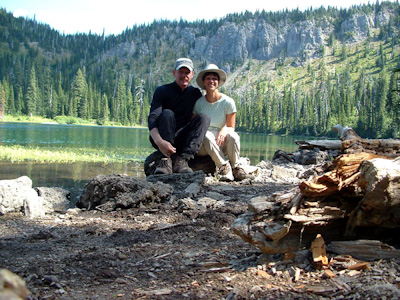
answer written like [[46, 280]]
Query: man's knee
[[166, 115], [203, 119]]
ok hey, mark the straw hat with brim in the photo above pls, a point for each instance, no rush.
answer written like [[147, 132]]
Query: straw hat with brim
[[214, 69]]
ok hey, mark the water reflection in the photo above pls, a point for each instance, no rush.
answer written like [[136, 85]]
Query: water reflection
[[71, 177], [129, 143]]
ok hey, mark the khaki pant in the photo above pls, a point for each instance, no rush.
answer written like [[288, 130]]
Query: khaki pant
[[231, 148]]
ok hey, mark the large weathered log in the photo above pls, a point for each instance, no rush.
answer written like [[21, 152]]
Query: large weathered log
[[380, 207], [321, 144], [343, 177], [358, 196], [351, 142], [389, 147]]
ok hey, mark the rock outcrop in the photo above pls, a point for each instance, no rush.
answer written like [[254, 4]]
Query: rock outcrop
[[18, 195], [110, 192], [257, 38]]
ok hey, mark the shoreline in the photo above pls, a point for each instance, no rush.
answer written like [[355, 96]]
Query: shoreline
[[46, 121]]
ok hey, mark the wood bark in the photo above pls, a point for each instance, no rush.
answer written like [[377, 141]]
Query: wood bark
[[358, 197]]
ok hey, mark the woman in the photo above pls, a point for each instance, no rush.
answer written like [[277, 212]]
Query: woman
[[221, 138]]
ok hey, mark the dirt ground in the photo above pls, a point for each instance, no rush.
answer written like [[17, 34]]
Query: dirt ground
[[167, 252]]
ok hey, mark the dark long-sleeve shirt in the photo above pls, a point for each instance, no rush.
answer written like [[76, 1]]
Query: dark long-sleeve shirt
[[170, 96]]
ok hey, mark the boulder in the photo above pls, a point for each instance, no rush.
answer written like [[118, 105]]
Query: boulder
[[13, 194], [184, 184], [110, 192], [17, 195], [55, 199]]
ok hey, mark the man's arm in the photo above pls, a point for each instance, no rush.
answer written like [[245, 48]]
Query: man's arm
[[164, 146]]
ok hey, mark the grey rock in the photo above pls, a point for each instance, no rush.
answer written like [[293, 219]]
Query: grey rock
[[120, 191], [13, 194], [217, 196], [260, 204], [210, 203], [55, 199], [18, 195], [188, 204], [184, 184], [33, 205]]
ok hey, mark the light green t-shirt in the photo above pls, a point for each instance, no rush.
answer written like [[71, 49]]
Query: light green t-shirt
[[217, 111]]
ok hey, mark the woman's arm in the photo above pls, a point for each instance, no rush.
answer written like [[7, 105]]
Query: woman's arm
[[229, 127]]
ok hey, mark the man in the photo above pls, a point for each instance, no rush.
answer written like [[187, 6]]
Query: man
[[173, 131]]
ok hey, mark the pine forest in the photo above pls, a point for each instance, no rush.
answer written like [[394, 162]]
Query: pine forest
[[346, 73]]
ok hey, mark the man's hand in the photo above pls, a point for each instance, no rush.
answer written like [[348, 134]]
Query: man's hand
[[166, 148]]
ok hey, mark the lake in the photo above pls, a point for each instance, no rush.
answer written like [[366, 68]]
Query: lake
[[129, 143]]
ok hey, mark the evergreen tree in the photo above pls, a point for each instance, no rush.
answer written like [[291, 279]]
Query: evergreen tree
[[129, 106], [32, 93], [19, 102], [120, 112], [11, 102], [79, 95], [380, 104], [104, 111], [47, 102], [393, 105], [2, 101], [59, 107]]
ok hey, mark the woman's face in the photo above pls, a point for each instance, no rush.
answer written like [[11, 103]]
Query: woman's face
[[211, 82]]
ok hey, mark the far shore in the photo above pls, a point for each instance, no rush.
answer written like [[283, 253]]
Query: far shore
[[43, 154], [73, 121]]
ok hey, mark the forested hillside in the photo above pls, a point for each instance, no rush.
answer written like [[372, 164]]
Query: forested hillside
[[289, 72]]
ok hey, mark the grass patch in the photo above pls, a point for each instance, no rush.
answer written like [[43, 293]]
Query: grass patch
[[18, 153], [61, 120], [26, 119]]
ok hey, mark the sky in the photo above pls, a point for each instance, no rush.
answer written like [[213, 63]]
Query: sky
[[114, 16]]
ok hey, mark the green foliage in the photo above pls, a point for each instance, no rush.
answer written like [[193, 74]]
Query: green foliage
[[17, 153], [84, 77], [69, 120]]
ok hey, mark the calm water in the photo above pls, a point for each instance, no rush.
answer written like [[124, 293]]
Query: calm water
[[131, 143]]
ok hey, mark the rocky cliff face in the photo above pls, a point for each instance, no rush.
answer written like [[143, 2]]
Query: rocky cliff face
[[357, 27], [231, 42]]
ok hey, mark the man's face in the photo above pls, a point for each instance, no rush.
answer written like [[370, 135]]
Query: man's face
[[183, 76]]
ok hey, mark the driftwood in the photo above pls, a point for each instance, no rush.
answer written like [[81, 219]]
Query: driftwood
[[351, 142], [364, 249], [358, 197], [321, 144]]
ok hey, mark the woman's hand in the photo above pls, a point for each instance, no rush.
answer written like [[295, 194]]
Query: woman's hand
[[221, 137]]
